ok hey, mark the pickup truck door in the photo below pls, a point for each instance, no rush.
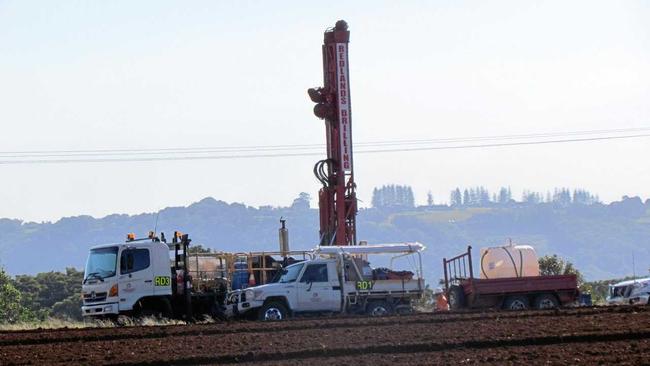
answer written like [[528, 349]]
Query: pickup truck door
[[136, 276], [315, 290]]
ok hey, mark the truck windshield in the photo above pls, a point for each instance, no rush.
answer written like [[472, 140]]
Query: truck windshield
[[101, 263], [290, 274]]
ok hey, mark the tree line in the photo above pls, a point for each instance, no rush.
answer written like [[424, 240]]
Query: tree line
[[392, 195], [480, 196], [28, 298]]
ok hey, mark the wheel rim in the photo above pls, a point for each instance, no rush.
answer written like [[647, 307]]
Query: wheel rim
[[452, 299], [379, 310], [546, 304], [273, 314], [517, 305]]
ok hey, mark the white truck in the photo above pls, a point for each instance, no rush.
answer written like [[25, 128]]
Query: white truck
[[630, 292], [145, 277], [337, 280]]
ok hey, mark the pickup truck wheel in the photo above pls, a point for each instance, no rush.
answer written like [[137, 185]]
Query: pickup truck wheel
[[379, 308], [456, 298], [273, 311], [516, 303], [546, 301]]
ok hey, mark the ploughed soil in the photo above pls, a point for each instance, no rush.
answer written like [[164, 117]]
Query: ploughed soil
[[614, 335]]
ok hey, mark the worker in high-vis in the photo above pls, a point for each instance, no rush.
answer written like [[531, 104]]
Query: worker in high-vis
[[441, 300]]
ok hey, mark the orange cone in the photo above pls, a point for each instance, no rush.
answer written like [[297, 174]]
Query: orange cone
[[251, 280]]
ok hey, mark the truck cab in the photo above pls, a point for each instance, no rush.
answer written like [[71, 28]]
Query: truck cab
[[311, 286], [630, 292], [331, 282], [120, 278]]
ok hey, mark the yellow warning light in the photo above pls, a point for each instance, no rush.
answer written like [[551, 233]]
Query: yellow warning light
[[130, 237]]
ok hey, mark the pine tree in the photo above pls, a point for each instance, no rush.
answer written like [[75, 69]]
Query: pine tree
[[503, 196], [562, 196], [400, 196], [484, 196], [455, 198], [410, 198], [375, 198]]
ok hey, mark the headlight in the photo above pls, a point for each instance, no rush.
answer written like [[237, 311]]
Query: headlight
[[257, 294], [250, 294]]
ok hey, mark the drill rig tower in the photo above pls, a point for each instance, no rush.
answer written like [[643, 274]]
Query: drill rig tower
[[337, 198]]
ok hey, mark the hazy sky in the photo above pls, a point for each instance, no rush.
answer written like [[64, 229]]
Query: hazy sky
[[162, 74]]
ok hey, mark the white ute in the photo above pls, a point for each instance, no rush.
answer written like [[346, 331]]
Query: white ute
[[337, 280], [630, 292]]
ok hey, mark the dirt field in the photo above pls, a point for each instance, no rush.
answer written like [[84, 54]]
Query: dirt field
[[566, 337]]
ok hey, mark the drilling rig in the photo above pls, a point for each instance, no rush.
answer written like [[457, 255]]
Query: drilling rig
[[337, 198]]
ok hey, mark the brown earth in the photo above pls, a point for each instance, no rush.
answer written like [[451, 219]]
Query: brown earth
[[618, 335]]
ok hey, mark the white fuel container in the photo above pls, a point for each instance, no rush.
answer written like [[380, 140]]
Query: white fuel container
[[509, 261]]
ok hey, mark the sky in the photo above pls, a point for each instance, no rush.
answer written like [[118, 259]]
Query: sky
[[78, 75]]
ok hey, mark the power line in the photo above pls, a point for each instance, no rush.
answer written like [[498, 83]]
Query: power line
[[249, 156], [511, 144], [105, 153]]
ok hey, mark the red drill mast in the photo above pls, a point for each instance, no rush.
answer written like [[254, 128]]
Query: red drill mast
[[337, 199]]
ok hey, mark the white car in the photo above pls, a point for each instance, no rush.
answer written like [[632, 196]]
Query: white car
[[630, 292]]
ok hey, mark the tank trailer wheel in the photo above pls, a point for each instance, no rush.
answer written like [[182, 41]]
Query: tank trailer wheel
[[273, 311], [516, 303], [456, 298], [379, 308], [546, 301]]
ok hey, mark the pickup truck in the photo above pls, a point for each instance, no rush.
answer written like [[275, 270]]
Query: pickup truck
[[630, 292], [337, 280]]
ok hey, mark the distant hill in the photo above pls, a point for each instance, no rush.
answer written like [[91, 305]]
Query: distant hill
[[599, 239]]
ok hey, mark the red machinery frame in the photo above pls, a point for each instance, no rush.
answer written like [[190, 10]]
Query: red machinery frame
[[337, 198]]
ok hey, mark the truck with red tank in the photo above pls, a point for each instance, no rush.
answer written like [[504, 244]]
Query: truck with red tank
[[519, 292]]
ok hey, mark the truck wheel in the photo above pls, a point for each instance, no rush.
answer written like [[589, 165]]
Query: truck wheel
[[456, 298], [273, 311], [123, 321], [403, 309], [546, 301], [216, 312], [379, 308], [158, 309], [516, 303]]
